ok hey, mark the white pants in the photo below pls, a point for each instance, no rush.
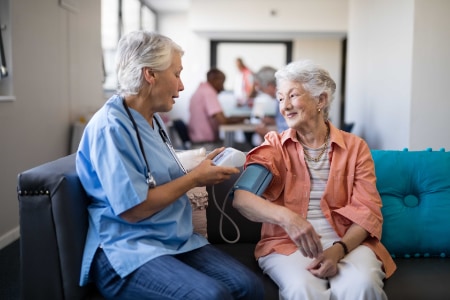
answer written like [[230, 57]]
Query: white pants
[[360, 274]]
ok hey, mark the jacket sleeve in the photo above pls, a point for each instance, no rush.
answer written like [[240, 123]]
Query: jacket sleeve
[[363, 205]]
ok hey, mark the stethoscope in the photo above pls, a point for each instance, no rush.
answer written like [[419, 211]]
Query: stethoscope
[[149, 178]]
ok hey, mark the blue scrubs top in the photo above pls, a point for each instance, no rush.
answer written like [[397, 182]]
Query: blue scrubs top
[[112, 170]]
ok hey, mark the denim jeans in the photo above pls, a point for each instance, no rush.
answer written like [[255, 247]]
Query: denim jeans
[[204, 273]]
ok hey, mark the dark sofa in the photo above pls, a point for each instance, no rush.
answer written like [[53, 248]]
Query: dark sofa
[[415, 188]]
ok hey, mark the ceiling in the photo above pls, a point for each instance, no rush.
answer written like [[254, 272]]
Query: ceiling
[[168, 5]]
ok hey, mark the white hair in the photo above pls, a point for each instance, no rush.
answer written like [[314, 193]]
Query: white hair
[[139, 49], [313, 78]]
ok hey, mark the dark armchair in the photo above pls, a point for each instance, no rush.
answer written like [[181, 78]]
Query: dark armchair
[[53, 226]]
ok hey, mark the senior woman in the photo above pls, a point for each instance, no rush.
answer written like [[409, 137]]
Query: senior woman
[[140, 242], [321, 213]]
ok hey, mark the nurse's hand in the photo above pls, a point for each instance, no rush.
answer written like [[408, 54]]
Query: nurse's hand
[[206, 173]]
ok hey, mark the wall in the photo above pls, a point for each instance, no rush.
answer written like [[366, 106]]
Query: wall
[[57, 77], [265, 17], [397, 73], [316, 28], [430, 105]]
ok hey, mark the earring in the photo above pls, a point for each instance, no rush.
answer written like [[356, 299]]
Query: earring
[[318, 110]]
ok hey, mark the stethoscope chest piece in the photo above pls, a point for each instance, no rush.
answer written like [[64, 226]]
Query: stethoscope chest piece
[[150, 181]]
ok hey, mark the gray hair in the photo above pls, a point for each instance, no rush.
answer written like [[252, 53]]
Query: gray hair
[[313, 78], [266, 76], [139, 49]]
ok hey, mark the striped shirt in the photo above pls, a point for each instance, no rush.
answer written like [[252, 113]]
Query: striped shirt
[[318, 173]]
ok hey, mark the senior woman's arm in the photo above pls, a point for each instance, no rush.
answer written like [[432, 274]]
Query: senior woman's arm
[[257, 209], [354, 237], [299, 229], [364, 205]]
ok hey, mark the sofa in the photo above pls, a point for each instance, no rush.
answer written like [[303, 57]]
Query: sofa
[[414, 186]]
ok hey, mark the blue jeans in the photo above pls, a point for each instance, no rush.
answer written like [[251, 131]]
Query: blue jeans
[[204, 273]]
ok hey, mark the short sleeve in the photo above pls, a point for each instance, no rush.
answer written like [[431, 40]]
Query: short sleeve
[[266, 155], [114, 171], [212, 104]]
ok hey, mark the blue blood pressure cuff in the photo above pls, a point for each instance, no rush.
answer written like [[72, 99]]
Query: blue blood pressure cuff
[[254, 179]]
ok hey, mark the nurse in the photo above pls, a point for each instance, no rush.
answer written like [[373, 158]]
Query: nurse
[[140, 242]]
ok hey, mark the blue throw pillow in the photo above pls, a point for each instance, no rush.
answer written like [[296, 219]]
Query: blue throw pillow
[[415, 191]]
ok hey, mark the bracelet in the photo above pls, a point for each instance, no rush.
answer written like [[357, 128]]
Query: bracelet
[[344, 246]]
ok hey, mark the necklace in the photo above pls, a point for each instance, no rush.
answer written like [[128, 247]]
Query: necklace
[[323, 148], [318, 157]]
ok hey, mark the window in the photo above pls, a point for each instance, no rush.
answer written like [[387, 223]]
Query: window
[[118, 18], [6, 83], [255, 54]]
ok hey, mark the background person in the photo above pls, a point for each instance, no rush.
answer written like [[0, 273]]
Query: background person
[[244, 86], [265, 104], [140, 243], [206, 113], [321, 212]]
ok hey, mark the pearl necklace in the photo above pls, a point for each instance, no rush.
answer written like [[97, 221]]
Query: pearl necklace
[[323, 148]]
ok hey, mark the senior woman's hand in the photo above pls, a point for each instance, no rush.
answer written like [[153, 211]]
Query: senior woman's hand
[[303, 235], [325, 266]]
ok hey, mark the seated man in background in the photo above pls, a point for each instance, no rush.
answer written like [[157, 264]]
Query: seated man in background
[[206, 113]]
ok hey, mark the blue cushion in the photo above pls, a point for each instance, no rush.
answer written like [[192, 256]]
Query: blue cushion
[[415, 191]]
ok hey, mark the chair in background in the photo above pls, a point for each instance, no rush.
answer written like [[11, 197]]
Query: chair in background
[[348, 127], [183, 133]]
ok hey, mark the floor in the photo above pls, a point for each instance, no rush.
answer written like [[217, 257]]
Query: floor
[[10, 272]]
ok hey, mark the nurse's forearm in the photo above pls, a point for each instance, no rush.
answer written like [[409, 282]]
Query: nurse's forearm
[[159, 198]]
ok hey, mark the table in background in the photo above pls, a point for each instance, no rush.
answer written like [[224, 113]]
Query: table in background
[[230, 129]]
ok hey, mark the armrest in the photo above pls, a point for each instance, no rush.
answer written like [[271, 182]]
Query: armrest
[[53, 226]]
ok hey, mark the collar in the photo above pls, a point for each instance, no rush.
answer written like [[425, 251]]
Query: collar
[[336, 136]]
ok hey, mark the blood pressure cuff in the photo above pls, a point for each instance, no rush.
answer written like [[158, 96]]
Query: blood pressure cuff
[[254, 179]]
